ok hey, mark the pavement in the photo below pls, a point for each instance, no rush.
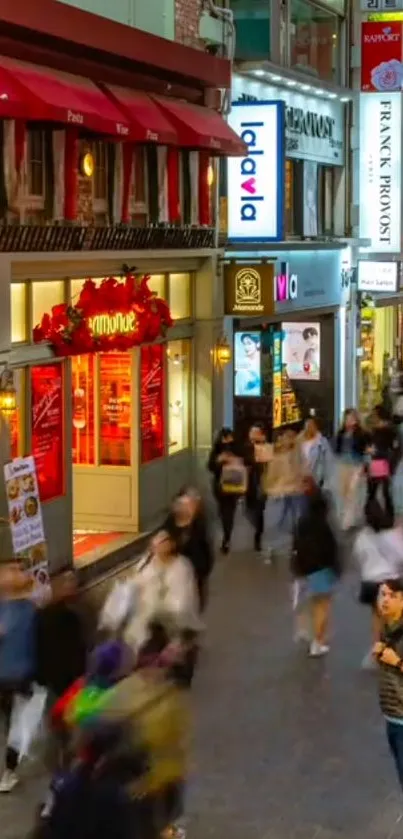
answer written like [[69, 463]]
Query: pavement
[[284, 747]]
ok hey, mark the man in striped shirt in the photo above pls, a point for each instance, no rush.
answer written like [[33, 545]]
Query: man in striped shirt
[[389, 655]]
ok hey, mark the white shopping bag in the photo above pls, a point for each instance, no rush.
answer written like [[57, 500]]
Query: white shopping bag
[[26, 719], [117, 607]]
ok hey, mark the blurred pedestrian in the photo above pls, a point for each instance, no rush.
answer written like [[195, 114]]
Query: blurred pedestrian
[[187, 524], [229, 481], [317, 454], [316, 563], [285, 477], [257, 455], [350, 446], [388, 653], [383, 457], [17, 653], [378, 552]]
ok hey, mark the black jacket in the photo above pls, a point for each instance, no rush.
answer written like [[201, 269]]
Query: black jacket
[[216, 468], [360, 440], [386, 443], [61, 647], [255, 474], [193, 542], [315, 545]]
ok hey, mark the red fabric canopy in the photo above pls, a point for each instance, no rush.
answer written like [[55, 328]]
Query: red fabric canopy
[[48, 95], [202, 128], [148, 123]]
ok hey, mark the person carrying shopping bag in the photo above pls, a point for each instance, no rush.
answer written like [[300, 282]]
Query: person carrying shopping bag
[[284, 479], [350, 446], [229, 481], [383, 455]]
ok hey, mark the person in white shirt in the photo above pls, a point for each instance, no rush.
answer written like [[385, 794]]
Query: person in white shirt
[[378, 552]]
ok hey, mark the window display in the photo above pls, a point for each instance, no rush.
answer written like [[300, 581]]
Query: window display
[[152, 395], [301, 350], [47, 429], [179, 357], [248, 374], [179, 296], [315, 36], [18, 312], [115, 410], [83, 373], [45, 295]]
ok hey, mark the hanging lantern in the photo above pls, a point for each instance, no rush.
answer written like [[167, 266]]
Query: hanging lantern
[[8, 395], [223, 351]]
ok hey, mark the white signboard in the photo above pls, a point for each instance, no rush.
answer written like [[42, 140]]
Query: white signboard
[[256, 182], [381, 5], [314, 126], [380, 170], [377, 276], [24, 506]]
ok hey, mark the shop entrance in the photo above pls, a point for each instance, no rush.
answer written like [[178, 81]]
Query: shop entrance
[[104, 453]]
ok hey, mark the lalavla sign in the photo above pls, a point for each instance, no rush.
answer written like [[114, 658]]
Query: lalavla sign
[[314, 126]]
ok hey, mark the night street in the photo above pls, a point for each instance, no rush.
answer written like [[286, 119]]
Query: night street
[[286, 748]]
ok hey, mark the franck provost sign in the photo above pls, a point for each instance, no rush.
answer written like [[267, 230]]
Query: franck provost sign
[[256, 182], [380, 170], [314, 126]]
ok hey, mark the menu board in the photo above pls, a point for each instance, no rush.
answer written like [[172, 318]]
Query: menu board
[[277, 380], [152, 403], [47, 429], [24, 506]]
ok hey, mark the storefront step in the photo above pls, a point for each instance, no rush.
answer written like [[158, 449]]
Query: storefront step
[[111, 562]]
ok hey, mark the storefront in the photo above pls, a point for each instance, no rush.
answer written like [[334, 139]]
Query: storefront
[[380, 329], [114, 432], [291, 361]]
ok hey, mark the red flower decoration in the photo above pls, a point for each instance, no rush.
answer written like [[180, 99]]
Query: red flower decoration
[[68, 328]]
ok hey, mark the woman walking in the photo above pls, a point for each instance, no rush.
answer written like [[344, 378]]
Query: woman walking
[[378, 551], [350, 447], [285, 478], [317, 454], [229, 481], [384, 454], [316, 563], [187, 525]]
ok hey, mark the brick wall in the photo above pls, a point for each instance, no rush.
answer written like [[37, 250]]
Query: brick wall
[[187, 16]]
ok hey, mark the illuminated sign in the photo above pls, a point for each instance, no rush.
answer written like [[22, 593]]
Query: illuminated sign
[[256, 182], [249, 289], [277, 385], [377, 276], [285, 285], [380, 171], [385, 17], [116, 324]]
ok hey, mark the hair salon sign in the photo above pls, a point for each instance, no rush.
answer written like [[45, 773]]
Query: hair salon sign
[[380, 170]]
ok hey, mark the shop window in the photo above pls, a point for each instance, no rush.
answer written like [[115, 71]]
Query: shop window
[[326, 199], [252, 18], [139, 185], [114, 408], [179, 360], [157, 283], [83, 384], [47, 440], [45, 295], [180, 296], [100, 179], [18, 312], [17, 419], [36, 163], [315, 40], [152, 397]]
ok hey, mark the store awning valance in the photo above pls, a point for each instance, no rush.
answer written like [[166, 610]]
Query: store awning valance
[[148, 123], [202, 128], [36, 93]]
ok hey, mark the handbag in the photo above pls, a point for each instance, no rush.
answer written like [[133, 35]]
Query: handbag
[[379, 468], [234, 478], [26, 718]]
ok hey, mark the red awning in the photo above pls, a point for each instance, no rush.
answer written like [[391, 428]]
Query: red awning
[[202, 128], [47, 95], [148, 123]]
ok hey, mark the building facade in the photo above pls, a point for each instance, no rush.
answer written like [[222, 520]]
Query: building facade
[[109, 165]]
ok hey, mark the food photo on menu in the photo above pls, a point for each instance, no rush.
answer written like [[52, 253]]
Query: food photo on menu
[[301, 350]]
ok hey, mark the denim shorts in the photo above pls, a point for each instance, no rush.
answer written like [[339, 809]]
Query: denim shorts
[[321, 583]]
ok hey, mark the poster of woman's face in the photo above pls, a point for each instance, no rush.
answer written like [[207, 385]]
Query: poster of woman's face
[[247, 363], [301, 350]]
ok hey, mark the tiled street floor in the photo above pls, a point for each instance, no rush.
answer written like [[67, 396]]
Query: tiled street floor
[[285, 747]]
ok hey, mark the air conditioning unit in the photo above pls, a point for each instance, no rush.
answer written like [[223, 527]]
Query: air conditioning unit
[[211, 30]]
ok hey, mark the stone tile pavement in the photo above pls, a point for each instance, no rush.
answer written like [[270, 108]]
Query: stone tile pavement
[[284, 747]]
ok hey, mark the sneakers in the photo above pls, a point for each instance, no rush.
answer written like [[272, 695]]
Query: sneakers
[[317, 649], [8, 781]]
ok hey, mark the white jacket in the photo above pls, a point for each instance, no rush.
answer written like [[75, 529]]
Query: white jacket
[[154, 590], [379, 555]]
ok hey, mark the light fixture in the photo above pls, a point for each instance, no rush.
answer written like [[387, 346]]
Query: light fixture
[[319, 91], [291, 83], [259, 72], [87, 164], [344, 98], [8, 395], [332, 95], [306, 87], [223, 351], [210, 175], [275, 78]]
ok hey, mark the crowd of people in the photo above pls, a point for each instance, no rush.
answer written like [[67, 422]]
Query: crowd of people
[[116, 704]]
